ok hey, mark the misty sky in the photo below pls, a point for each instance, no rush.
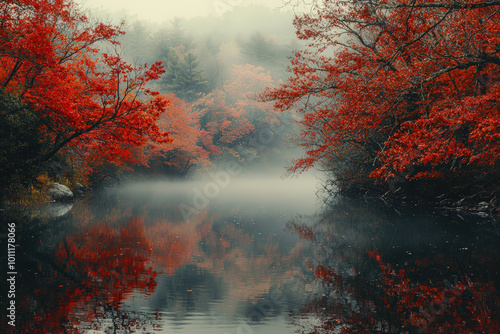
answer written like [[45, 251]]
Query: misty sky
[[161, 10]]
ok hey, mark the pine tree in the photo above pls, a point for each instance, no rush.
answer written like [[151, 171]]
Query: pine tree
[[183, 77], [259, 50]]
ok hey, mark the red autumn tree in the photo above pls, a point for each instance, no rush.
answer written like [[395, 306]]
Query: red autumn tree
[[397, 89], [242, 89], [185, 150], [232, 118], [89, 102], [225, 126]]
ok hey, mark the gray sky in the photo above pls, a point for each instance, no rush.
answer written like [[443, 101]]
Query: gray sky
[[161, 10]]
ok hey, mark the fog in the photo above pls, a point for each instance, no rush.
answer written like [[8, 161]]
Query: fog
[[159, 11], [223, 190], [218, 39]]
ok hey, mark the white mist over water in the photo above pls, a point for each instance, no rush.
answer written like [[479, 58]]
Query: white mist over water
[[238, 248], [254, 191]]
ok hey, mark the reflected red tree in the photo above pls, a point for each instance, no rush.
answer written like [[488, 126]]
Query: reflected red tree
[[93, 272], [363, 291], [222, 248], [175, 244], [394, 301]]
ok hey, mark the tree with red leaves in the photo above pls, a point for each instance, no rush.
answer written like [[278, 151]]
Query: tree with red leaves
[[185, 151], [397, 90], [225, 126], [89, 102], [216, 126], [233, 118]]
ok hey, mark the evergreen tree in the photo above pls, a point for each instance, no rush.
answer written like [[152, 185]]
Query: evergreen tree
[[177, 36], [137, 43], [20, 142], [259, 50], [210, 63], [183, 77]]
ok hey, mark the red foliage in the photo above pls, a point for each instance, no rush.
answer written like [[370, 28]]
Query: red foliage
[[90, 102], [396, 303], [176, 244], [464, 307], [229, 117], [224, 125], [185, 149], [242, 90], [93, 272], [116, 261], [303, 231], [401, 87]]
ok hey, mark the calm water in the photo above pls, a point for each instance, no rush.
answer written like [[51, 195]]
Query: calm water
[[250, 255]]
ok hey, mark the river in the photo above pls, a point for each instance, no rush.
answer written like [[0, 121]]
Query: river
[[248, 254]]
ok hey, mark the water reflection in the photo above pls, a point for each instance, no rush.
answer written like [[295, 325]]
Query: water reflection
[[129, 261], [81, 282], [374, 271]]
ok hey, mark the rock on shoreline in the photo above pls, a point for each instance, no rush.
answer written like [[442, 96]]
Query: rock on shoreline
[[59, 192]]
